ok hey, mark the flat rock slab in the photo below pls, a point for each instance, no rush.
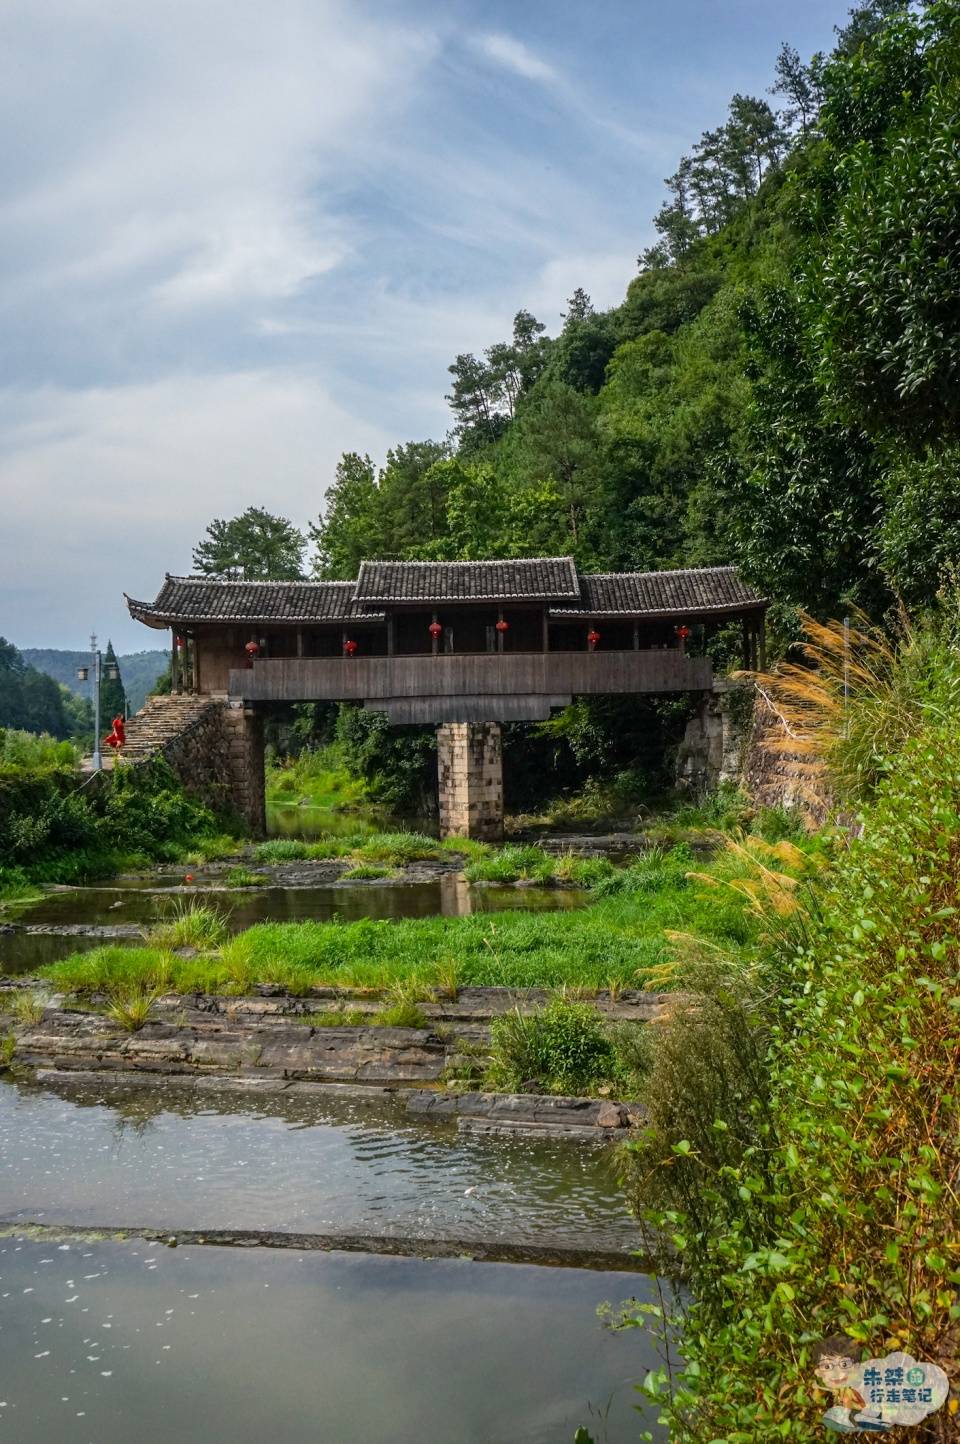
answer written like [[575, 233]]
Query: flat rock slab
[[523, 1115], [550, 1255], [548, 1111], [358, 1055], [469, 1005]]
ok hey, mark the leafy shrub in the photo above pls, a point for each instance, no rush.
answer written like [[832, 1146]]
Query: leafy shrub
[[366, 872], [562, 1048], [806, 1124]]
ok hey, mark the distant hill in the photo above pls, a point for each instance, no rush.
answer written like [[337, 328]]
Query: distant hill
[[139, 670]]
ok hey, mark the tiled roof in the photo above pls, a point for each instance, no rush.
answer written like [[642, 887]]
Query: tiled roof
[[525, 579], [208, 599], [716, 590], [702, 589]]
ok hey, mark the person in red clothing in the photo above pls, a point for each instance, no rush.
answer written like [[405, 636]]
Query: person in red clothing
[[118, 736]]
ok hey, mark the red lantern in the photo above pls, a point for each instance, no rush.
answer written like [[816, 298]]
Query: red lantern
[[180, 644], [593, 637], [682, 632], [503, 626], [188, 877], [350, 647], [252, 648], [435, 630]]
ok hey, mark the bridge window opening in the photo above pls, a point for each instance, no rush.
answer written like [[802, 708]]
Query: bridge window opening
[[280, 644], [322, 644], [657, 636], [524, 630], [411, 634]]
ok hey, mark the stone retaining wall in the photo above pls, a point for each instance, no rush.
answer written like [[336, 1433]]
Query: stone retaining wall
[[219, 758]]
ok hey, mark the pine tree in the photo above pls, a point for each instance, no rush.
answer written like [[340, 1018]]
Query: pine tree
[[113, 698]]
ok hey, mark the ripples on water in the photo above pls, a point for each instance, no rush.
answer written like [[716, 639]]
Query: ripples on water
[[299, 1165]]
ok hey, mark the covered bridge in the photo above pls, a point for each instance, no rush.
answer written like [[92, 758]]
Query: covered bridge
[[463, 645]]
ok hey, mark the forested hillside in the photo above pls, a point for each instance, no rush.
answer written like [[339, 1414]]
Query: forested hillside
[[778, 386], [31, 701], [138, 670]]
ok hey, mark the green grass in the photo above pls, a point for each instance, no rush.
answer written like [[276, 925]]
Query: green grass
[[213, 849], [292, 849], [189, 925], [390, 849], [398, 848], [243, 877], [366, 871], [516, 863], [512, 863], [616, 941]]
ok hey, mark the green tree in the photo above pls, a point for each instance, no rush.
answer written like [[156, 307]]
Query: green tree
[[350, 529], [801, 87], [255, 546], [113, 698], [413, 499], [555, 440]]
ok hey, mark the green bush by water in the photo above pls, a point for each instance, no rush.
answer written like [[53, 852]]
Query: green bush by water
[[57, 827], [562, 1048]]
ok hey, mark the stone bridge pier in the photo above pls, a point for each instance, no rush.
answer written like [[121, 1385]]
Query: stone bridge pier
[[470, 776]]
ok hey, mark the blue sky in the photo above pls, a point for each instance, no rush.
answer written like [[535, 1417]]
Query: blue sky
[[237, 239]]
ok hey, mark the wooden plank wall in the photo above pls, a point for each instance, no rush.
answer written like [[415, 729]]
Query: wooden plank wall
[[480, 675]]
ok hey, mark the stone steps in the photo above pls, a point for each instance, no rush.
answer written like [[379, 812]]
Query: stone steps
[[158, 722]]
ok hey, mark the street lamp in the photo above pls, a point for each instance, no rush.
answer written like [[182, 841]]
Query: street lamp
[[83, 675]]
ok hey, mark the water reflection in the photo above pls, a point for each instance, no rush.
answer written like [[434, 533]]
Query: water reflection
[[104, 1342]]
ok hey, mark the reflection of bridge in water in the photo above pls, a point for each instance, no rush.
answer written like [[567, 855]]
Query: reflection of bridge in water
[[462, 645]]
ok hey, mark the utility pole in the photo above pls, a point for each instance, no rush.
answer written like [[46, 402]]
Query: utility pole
[[95, 653], [93, 673]]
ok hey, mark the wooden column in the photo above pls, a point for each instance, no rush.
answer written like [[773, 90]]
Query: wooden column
[[745, 650], [390, 643], [546, 629], [174, 662], [434, 641], [499, 634], [194, 665], [763, 641], [636, 636], [299, 641]]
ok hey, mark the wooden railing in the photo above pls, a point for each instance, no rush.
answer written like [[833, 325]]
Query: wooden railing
[[553, 674]]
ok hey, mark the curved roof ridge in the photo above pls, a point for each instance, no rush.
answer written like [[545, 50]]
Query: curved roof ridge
[[460, 561], [218, 581], [666, 571]]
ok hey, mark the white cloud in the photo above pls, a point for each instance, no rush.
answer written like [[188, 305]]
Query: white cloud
[[512, 54], [120, 483], [199, 151]]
